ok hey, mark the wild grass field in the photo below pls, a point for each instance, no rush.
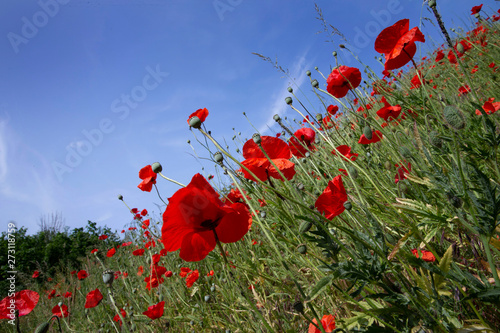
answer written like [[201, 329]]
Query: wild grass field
[[374, 210]]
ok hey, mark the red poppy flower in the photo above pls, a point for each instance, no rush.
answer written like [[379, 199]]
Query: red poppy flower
[[476, 9], [117, 317], [140, 270], [24, 301], [148, 177], [94, 251], [331, 201], [402, 171], [60, 311], [193, 216], [489, 107], [328, 323], [103, 237], [155, 311], [67, 294], [343, 79], [111, 253], [451, 57], [416, 81], [397, 42], [328, 122], [466, 47], [346, 152], [138, 252], [463, 90], [302, 138], [184, 271], [376, 137], [93, 298], [439, 56], [426, 255], [255, 160], [332, 109], [144, 212], [235, 196], [51, 294], [388, 111], [192, 278], [35, 274], [82, 274], [200, 113]]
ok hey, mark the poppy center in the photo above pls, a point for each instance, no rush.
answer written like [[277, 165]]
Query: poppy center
[[210, 224]]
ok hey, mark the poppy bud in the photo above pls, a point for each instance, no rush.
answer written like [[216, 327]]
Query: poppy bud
[[432, 3], [290, 90], [218, 157], [334, 53], [388, 165], [195, 122], [288, 100], [308, 73], [156, 167], [319, 117], [60, 304], [435, 140], [299, 307], [276, 118], [452, 29], [405, 152], [453, 117], [207, 298], [315, 83], [305, 226], [302, 249], [477, 15], [108, 277], [348, 205], [256, 138], [43, 328], [315, 68], [352, 171], [212, 288], [263, 214], [342, 46], [326, 253], [367, 131], [300, 186], [460, 48], [120, 197]]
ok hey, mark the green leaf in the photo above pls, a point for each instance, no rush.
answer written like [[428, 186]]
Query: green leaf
[[320, 286]]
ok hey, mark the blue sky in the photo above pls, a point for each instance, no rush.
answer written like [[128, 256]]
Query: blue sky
[[93, 90]]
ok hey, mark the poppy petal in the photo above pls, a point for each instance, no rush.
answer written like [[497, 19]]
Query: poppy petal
[[197, 245]]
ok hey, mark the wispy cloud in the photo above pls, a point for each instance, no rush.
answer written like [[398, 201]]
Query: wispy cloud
[[279, 106]]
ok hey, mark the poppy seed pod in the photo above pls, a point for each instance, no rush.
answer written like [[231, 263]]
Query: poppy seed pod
[[256, 138], [276, 117], [388, 165], [218, 157], [189, 142], [302, 249], [460, 48], [156, 167], [453, 117], [348, 205], [308, 73], [195, 122], [43, 328], [432, 3], [288, 100], [319, 117], [290, 90], [315, 83], [305, 226], [334, 53], [367, 131], [435, 140], [108, 277], [120, 197]]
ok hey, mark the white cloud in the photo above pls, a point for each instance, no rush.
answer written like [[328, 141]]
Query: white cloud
[[279, 106]]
